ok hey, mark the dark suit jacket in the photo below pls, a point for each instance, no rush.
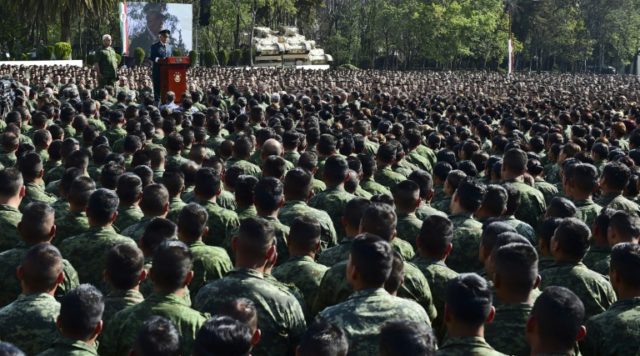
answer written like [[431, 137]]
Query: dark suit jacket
[[159, 51]]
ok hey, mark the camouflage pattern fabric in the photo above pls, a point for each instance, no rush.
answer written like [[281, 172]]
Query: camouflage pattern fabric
[[336, 254], [532, 203], [221, 223], [506, 333], [463, 346], [136, 230], [68, 347], [466, 244], [333, 200], [35, 192], [614, 332], [522, 228], [9, 219], [425, 210], [408, 227], [587, 211], [374, 187], [595, 255], [117, 300], [304, 273], [387, 177], [210, 263], [618, 202], [127, 216], [294, 208], [72, 224]]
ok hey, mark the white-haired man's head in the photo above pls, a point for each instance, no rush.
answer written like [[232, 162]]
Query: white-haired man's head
[[106, 40]]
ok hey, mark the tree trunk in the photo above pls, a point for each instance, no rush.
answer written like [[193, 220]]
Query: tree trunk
[[236, 34], [65, 25], [254, 11]]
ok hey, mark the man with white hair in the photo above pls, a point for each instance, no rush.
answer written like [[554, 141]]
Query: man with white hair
[[106, 63]]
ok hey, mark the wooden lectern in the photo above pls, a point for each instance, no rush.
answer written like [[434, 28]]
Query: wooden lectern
[[173, 76]]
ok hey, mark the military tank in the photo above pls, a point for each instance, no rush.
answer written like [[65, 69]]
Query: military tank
[[287, 48]]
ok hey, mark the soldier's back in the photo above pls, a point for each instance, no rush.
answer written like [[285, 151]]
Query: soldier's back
[[30, 322], [281, 317], [333, 200], [295, 208], [466, 243], [210, 263], [615, 331], [304, 273], [462, 346], [532, 203], [127, 216], [222, 223], [63, 346], [118, 300], [9, 219], [506, 333], [408, 227], [72, 224]]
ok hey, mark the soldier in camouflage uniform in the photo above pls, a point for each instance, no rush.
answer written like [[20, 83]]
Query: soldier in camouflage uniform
[[30, 321], [269, 197], [32, 172], [301, 269], [222, 222], [75, 221], [106, 63], [615, 177], [467, 231], [386, 157], [600, 248], [368, 171], [406, 196], [154, 204], [87, 251], [580, 181], [12, 191], [241, 153], [569, 245], [623, 228], [425, 182], [515, 267], [370, 306], [174, 182], [210, 263], [280, 316], [378, 219], [545, 234], [617, 330], [129, 192], [124, 270], [174, 145], [468, 305], [434, 245], [167, 301], [297, 188], [351, 222], [84, 303], [532, 203], [309, 162], [334, 198], [36, 226], [244, 196], [555, 322]]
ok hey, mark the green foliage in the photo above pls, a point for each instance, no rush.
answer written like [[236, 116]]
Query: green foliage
[[62, 50], [223, 57], [235, 58], [24, 57], [193, 58], [90, 60], [208, 59], [176, 52], [348, 66], [139, 54]]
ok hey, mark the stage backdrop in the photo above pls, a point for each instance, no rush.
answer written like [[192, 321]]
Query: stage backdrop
[[140, 23]]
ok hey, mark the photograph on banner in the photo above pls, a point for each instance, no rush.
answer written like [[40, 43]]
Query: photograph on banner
[[143, 21]]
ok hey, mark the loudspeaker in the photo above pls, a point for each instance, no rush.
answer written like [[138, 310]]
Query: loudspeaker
[[205, 12]]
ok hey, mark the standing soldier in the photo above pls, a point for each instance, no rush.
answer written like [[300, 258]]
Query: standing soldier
[[106, 63]]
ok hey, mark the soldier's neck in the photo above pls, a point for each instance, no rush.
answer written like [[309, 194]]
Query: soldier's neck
[[456, 329], [12, 201]]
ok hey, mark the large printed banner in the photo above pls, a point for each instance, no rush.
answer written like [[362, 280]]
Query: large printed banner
[[140, 23]]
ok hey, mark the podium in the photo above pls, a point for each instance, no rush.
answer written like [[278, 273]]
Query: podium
[[173, 76]]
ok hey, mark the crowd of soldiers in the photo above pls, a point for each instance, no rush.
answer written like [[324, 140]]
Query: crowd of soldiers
[[320, 213]]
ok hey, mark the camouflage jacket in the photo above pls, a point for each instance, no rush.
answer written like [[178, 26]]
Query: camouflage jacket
[[175, 162], [404, 248], [592, 288], [548, 190], [522, 228], [35, 192], [136, 230], [532, 203], [30, 322], [466, 244], [248, 167], [506, 333], [175, 207], [618, 202], [545, 262], [222, 223], [374, 187], [125, 324], [365, 311], [281, 317], [9, 219], [425, 210], [10, 285], [72, 224], [87, 252], [127, 216], [595, 255], [336, 254], [294, 208], [387, 177], [333, 200], [408, 227], [463, 346], [227, 200], [69, 347], [304, 273], [246, 212], [587, 211], [210, 263], [117, 300], [614, 332]]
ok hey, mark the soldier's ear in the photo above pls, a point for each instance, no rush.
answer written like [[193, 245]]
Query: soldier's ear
[[187, 279], [582, 332], [98, 330], [143, 275], [255, 338], [52, 232], [60, 278], [492, 314], [537, 282], [23, 191]]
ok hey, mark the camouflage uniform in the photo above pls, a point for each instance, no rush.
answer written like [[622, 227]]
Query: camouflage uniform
[[425, 210], [10, 285], [294, 208], [9, 219], [374, 187], [595, 255], [246, 212], [365, 311], [404, 248], [614, 332], [210, 263], [117, 300], [387, 177], [61, 206], [127, 216], [522, 228], [174, 162], [280, 315], [175, 207], [281, 234], [333, 200], [438, 275], [548, 190], [616, 201], [587, 211], [545, 262], [336, 254], [125, 325], [532, 204], [136, 230], [506, 333], [422, 162], [87, 252], [222, 223], [408, 227], [304, 273], [443, 205], [248, 167], [360, 192], [602, 266], [35, 192], [462, 346], [115, 133], [8, 159], [467, 233], [292, 156], [335, 289], [30, 322], [72, 224], [63, 346], [593, 289], [227, 200]]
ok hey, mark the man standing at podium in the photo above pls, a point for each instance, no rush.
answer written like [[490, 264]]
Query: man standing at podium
[[159, 50]]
